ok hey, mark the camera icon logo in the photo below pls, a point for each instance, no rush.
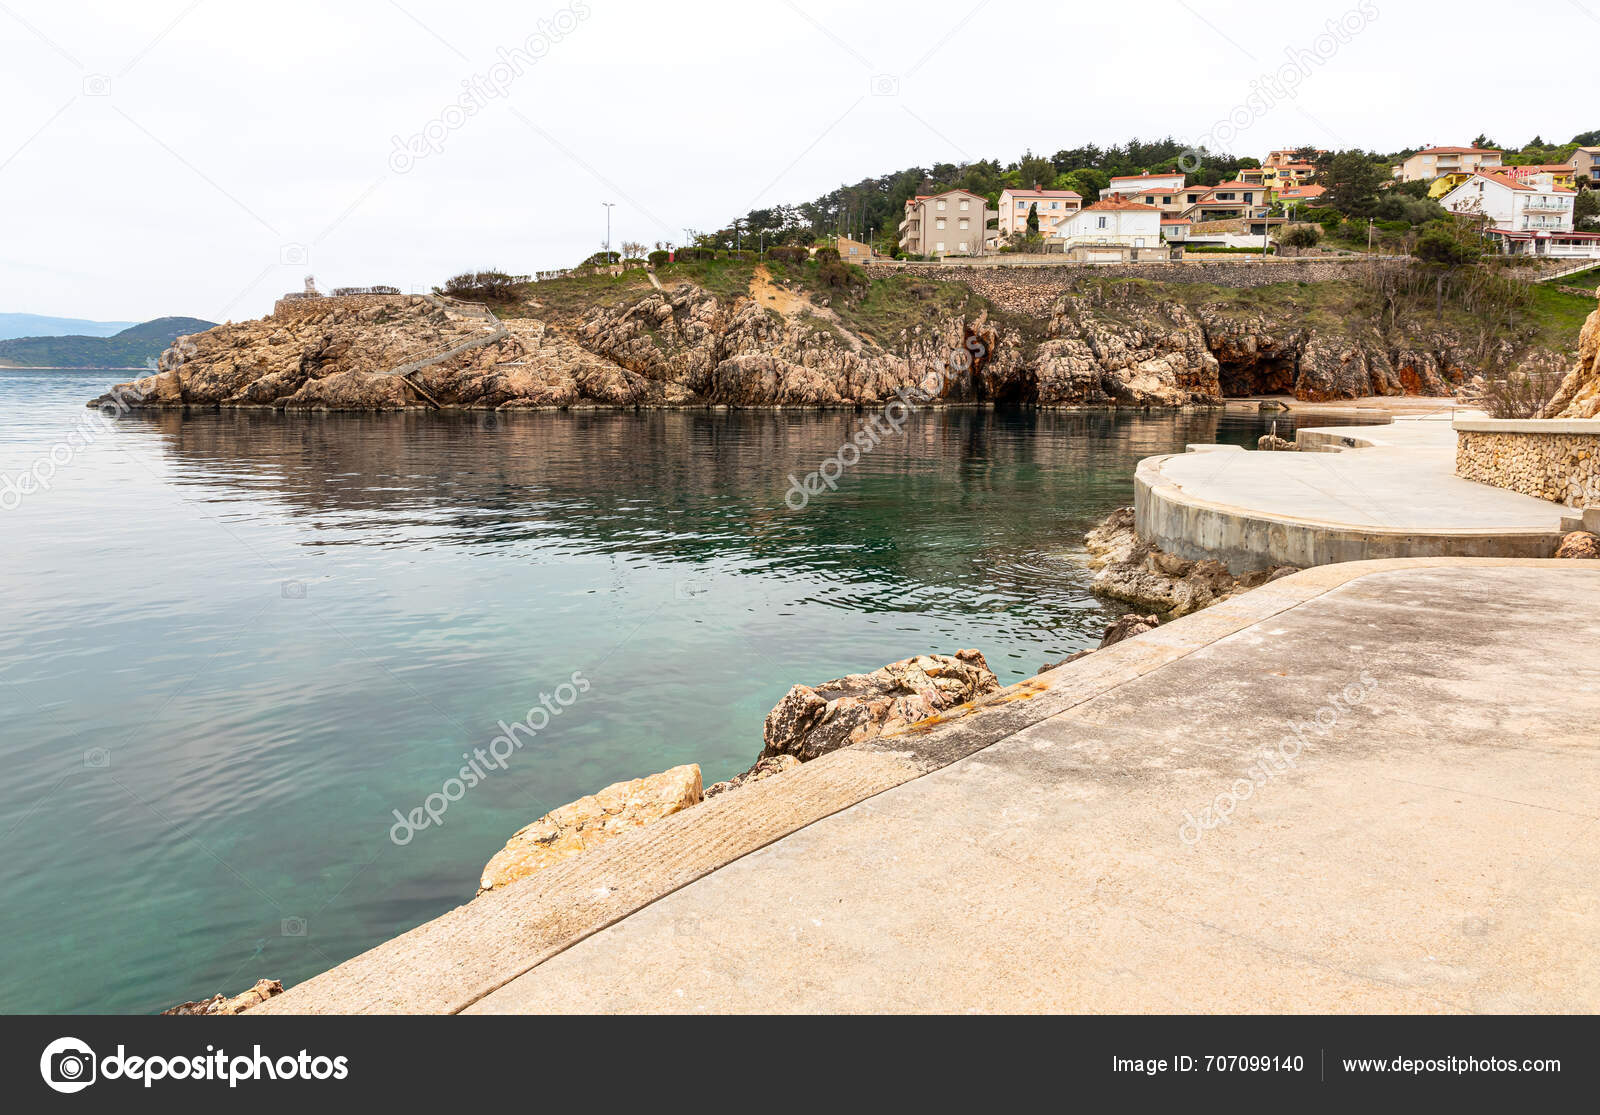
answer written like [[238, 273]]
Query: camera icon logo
[[294, 255], [96, 758], [885, 85], [293, 590], [68, 1065], [292, 927], [96, 85]]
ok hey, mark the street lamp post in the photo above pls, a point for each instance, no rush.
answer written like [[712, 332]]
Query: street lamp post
[[609, 206]]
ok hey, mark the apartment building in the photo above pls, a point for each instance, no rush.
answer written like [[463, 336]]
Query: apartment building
[[1524, 217], [1585, 163], [1290, 156], [951, 223], [1432, 162], [1055, 206], [1227, 200]]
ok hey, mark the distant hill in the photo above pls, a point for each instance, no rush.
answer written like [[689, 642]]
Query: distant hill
[[130, 348], [36, 325]]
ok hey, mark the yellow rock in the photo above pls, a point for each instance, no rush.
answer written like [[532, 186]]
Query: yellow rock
[[580, 825]]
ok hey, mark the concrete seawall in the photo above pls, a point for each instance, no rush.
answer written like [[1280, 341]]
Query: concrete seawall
[[1361, 494]]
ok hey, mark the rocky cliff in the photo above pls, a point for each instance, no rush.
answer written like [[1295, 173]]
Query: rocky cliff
[[782, 342], [1579, 394]]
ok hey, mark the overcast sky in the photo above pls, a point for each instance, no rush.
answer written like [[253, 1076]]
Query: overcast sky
[[180, 157]]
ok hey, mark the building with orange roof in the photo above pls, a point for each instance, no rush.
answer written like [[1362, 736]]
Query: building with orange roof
[[1115, 229], [1433, 162], [1055, 206], [1524, 216], [1288, 156], [1227, 200]]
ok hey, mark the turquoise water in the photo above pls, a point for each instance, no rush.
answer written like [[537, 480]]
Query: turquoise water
[[232, 645]]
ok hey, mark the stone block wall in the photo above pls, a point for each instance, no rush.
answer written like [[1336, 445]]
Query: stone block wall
[[1034, 288], [298, 309], [1560, 463]]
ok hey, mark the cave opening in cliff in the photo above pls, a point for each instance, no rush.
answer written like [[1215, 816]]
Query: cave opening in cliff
[[1244, 378], [1018, 386]]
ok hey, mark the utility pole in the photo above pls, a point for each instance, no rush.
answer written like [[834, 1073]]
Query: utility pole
[[609, 206]]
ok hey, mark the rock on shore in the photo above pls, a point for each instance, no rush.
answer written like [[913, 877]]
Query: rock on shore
[[263, 990], [813, 720], [592, 820], [1579, 393], [1139, 573], [807, 723]]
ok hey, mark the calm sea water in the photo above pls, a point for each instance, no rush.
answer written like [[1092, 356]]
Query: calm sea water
[[232, 645]]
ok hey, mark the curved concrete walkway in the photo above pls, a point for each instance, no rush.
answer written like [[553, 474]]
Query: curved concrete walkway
[[1109, 836], [1391, 492]]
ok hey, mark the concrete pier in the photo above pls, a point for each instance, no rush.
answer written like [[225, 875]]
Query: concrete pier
[[1365, 787], [1359, 493]]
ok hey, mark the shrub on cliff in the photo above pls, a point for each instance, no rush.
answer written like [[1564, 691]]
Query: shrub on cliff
[[1301, 236], [788, 253], [483, 286], [659, 258]]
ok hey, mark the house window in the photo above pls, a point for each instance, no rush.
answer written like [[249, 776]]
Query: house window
[[965, 204], [965, 222], [941, 207], [938, 223], [1102, 223], [1138, 241], [939, 247]]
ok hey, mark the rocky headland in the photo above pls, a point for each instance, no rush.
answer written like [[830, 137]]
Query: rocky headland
[[718, 335]]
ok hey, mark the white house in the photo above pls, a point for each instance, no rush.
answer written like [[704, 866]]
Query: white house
[[1114, 229], [1142, 183], [1055, 206], [1527, 217]]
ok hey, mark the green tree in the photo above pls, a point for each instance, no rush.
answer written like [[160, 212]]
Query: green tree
[[1586, 210], [1448, 243], [1352, 181], [1033, 219]]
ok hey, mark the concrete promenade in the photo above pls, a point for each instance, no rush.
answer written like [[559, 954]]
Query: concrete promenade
[[1362, 492], [1109, 836]]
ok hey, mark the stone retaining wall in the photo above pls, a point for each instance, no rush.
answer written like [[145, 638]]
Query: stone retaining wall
[[1032, 288], [1553, 459], [291, 309]]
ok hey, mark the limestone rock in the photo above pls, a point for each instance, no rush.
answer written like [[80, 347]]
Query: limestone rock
[[1579, 544], [576, 827], [263, 990], [1127, 626], [814, 720], [1142, 574], [1579, 394], [1124, 627], [764, 768]]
